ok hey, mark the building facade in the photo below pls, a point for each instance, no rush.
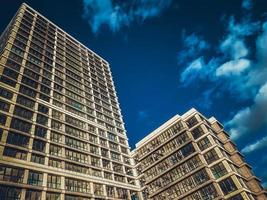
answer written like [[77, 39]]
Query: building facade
[[192, 158], [61, 130], [62, 135]]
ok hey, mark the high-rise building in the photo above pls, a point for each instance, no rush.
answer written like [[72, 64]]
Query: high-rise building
[[62, 133], [191, 157]]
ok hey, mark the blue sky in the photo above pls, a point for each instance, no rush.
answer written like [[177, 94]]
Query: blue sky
[[167, 56]]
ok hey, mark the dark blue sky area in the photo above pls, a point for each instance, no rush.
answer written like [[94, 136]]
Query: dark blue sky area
[[168, 56]]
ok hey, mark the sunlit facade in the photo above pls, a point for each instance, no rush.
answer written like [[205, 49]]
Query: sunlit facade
[[191, 157], [62, 133]]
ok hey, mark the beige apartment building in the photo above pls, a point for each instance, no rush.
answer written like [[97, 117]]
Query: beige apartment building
[[61, 129], [191, 157]]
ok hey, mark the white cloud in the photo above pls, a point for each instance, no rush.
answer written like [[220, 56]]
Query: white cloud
[[234, 47], [117, 14], [255, 146], [252, 118], [194, 67], [194, 45], [247, 4], [233, 67]]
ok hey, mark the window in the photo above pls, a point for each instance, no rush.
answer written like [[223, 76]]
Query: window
[[95, 161], [237, 197], [117, 168], [56, 125], [25, 101], [33, 194], [75, 143], [27, 91], [56, 137], [3, 119], [35, 178], [22, 112], [41, 119], [218, 170], [75, 156], [17, 139], [77, 185], [75, 121], [55, 150], [76, 168], [5, 93], [15, 153], [11, 174], [38, 145], [122, 193], [29, 82], [204, 143], [114, 146], [192, 121], [94, 149], [110, 191], [40, 131], [104, 153], [75, 132], [10, 73], [52, 196], [112, 137], [7, 81], [53, 181], [20, 125], [115, 156], [43, 109], [54, 163], [227, 185], [38, 159], [10, 193], [57, 115], [197, 132], [211, 156], [4, 106], [98, 189]]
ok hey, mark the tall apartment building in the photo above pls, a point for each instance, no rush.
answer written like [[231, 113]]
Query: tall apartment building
[[191, 157], [61, 130]]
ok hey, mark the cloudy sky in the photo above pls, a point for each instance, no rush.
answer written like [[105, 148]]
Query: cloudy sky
[[167, 56]]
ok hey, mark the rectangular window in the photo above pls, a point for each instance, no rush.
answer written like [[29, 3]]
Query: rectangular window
[[211, 156], [38, 159], [204, 143], [10, 193], [15, 153], [74, 185], [33, 194], [197, 132], [218, 170], [20, 125], [53, 181], [17, 139], [227, 185], [38, 145], [5, 93], [35, 178], [25, 101], [22, 112], [4, 106], [54, 163], [40, 131], [55, 150], [52, 196], [11, 174]]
